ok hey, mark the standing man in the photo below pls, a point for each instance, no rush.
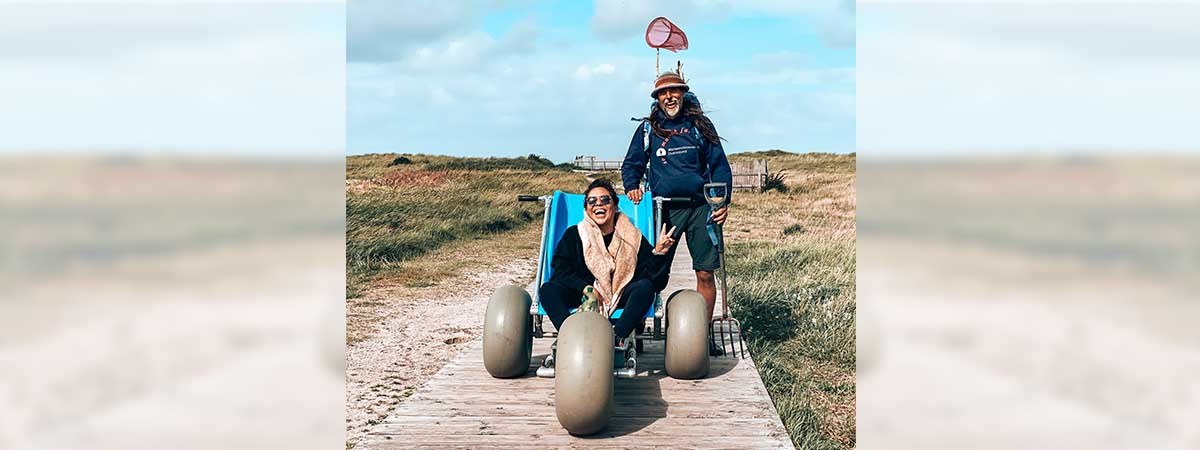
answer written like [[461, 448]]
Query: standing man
[[683, 152]]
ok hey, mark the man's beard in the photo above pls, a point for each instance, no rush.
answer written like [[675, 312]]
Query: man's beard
[[672, 112]]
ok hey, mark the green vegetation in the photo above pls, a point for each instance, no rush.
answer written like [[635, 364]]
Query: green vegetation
[[776, 182], [811, 163], [791, 283], [398, 211], [531, 162], [793, 229], [796, 304]]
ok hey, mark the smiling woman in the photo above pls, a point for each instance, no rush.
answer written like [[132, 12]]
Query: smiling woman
[[607, 252]]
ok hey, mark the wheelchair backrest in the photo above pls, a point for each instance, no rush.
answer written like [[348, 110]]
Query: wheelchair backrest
[[568, 209]]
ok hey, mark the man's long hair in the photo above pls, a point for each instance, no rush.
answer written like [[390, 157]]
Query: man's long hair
[[690, 110]]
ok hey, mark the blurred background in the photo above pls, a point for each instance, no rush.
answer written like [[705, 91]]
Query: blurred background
[[171, 213], [1027, 248], [171, 224]]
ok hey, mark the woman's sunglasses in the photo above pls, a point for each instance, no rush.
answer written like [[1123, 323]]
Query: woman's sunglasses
[[603, 200]]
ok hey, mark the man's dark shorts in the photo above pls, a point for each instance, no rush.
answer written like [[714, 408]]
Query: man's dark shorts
[[693, 221]]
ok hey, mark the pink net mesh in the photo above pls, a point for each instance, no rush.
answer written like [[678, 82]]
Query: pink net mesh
[[661, 33]]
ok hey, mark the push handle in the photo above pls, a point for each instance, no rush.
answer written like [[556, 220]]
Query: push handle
[[527, 198], [675, 199]]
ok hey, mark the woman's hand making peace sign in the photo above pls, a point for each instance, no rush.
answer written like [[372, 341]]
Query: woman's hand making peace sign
[[665, 241]]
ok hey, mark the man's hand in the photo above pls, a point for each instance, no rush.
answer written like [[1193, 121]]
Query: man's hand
[[635, 195], [719, 215], [665, 241]]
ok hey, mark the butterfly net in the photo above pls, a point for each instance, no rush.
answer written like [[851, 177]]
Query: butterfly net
[[661, 33]]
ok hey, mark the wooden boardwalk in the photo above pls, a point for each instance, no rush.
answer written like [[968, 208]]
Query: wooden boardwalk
[[464, 407]]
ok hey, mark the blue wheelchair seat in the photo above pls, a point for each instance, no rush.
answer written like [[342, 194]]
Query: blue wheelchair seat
[[568, 209]]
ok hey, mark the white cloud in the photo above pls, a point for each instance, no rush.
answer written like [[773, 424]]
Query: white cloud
[[836, 18], [454, 54], [621, 19], [473, 51], [765, 79], [441, 97], [389, 30], [385, 30], [586, 72], [521, 38], [568, 99], [561, 105], [787, 58]]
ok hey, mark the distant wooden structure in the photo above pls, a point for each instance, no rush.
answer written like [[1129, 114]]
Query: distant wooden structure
[[597, 165], [747, 175]]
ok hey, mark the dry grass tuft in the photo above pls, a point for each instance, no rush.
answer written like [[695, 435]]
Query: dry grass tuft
[[412, 225], [410, 179]]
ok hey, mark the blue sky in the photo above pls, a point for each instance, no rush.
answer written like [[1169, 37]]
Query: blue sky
[[561, 79]]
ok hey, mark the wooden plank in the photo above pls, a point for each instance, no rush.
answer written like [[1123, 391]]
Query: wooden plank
[[624, 385], [445, 445], [508, 441], [646, 427], [747, 408], [464, 407], [649, 367]]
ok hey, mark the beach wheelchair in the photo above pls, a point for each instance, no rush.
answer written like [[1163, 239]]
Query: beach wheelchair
[[586, 356]]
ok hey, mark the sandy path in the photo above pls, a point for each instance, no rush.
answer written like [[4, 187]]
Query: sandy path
[[427, 327]]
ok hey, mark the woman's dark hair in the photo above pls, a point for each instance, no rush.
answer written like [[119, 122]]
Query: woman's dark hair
[[601, 183], [691, 110]]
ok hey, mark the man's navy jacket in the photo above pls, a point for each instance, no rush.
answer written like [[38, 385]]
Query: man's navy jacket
[[682, 167]]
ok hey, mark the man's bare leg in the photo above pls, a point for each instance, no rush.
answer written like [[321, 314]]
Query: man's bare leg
[[707, 285]]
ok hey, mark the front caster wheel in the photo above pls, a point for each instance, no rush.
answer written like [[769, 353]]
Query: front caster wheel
[[507, 333], [583, 379], [687, 335]]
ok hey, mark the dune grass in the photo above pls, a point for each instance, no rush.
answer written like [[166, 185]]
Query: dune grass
[[796, 305], [400, 207], [791, 284]]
